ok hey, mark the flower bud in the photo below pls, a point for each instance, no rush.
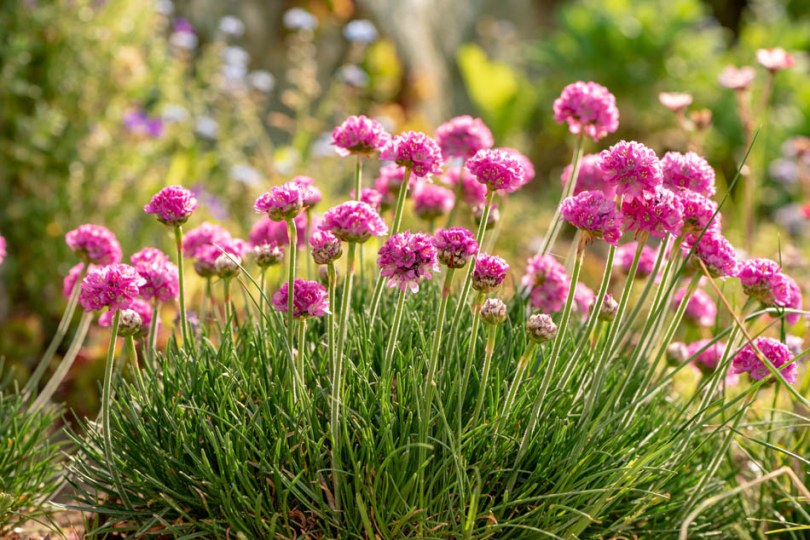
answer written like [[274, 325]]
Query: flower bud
[[130, 323], [677, 353], [540, 328], [493, 311], [204, 268], [326, 247], [609, 309], [227, 265], [267, 255]]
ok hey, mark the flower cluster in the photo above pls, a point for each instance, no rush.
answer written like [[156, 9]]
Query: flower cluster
[[310, 299], [431, 201], [266, 231], [462, 137], [700, 308], [414, 150], [489, 273], [207, 255], [540, 328], [359, 135], [548, 283], [587, 108], [407, 259], [763, 280], [497, 169], [267, 255], [94, 244], [326, 247], [697, 213], [737, 78], [281, 202], [716, 252], [632, 168], [595, 214], [310, 193], [161, 277], [526, 163], [353, 221], [473, 192], [493, 311], [173, 205], [627, 252], [371, 197], [675, 101], [778, 354], [455, 246], [688, 172], [141, 307], [114, 286], [708, 359], [205, 234], [775, 59], [659, 213], [590, 177]]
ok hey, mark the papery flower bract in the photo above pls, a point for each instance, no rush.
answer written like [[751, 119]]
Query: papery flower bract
[[526, 163], [688, 171], [326, 247], [227, 266], [675, 101], [489, 273], [431, 201], [795, 301], [587, 108], [206, 233], [353, 221], [775, 59], [590, 176], [737, 78], [359, 135], [173, 205], [310, 193], [627, 252], [281, 202], [763, 280], [415, 150], [632, 168], [700, 308], [583, 300], [162, 279], [371, 197], [609, 310], [716, 252], [540, 328], [266, 230], [139, 306], [455, 246], [114, 286], [548, 282], [593, 213], [697, 213], [94, 244], [407, 259], [747, 361], [462, 137], [659, 214], [310, 299], [497, 169], [493, 311]]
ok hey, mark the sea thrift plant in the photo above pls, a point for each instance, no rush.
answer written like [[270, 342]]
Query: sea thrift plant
[[700, 308], [493, 311], [416, 151], [624, 259], [431, 201], [525, 162], [688, 172], [359, 135], [610, 308], [473, 192], [590, 176], [737, 78], [407, 259], [326, 247], [139, 306], [708, 359], [172, 205], [775, 59], [675, 101], [267, 255], [205, 234], [698, 212], [455, 246], [763, 280], [548, 283], [587, 108], [462, 137], [371, 197], [161, 279], [659, 213], [354, 222], [310, 299], [541, 328], [114, 286], [747, 361], [281, 203], [489, 273], [632, 168], [716, 252], [595, 215], [94, 244], [497, 169]]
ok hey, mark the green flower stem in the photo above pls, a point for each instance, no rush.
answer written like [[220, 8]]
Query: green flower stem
[[358, 177], [308, 230], [262, 287], [153, 332], [178, 240], [462, 388], [133, 359], [61, 332], [631, 318], [392, 338], [451, 217], [292, 234], [492, 336], [64, 366], [299, 359], [430, 384], [206, 302], [395, 225], [330, 317], [522, 366], [106, 400], [226, 287], [556, 222]]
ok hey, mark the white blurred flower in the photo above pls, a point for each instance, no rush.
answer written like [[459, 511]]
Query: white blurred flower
[[234, 72], [244, 173], [184, 40], [231, 26], [164, 7], [361, 31], [322, 146], [261, 80], [352, 75], [207, 127], [235, 55], [173, 112], [299, 19]]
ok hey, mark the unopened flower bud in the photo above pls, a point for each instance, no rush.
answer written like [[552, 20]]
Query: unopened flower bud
[[493, 311], [130, 323], [326, 247], [494, 215], [267, 255], [227, 265], [541, 328], [677, 353], [204, 268], [610, 308]]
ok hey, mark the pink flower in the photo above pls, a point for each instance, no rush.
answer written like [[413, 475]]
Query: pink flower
[[455, 246], [161, 276], [73, 276], [371, 197], [708, 359], [415, 150], [497, 169], [588, 108], [267, 255], [716, 252], [747, 361], [309, 191], [675, 101], [472, 192], [266, 231], [207, 255], [359, 135], [2, 249], [310, 299], [700, 307], [489, 273], [462, 137], [795, 300], [697, 212], [763, 280], [659, 214], [281, 202], [592, 212], [737, 79], [173, 205], [326, 247], [95, 244], [407, 259], [688, 172], [775, 59], [526, 163], [353, 221], [431, 201], [625, 255], [590, 177], [583, 300], [139, 306], [548, 282], [205, 234], [632, 167], [389, 183], [114, 286]]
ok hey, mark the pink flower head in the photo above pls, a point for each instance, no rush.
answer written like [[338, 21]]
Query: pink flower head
[[590, 177], [207, 255], [632, 167], [389, 183], [281, 202], [71, 278], [489, 273], [472, 192], [353, 221], [310, 299], [595, 214], [737, 79], [697, 213], [455, 246], [266, 231], [583, 300], [407, 259], [359, 135], [462, 137], [173, 205], [326, 247], [2, 249], [414, 150], [659, 213], [688, 172], [700, 307], [716, 252], [497, 169], [548, 282], [371, 197], [526, 163], [708, 359], [795, 300], [775, 59], [114, 286], [161, 276], [95, 244], [139, 306], [205, 234], [763, 280], [625, 255], [747, 361], [588, 108], [675, 101], [310, 193], [431, 201]]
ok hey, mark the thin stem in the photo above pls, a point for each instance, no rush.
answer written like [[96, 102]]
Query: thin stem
[[292, 234], [153, 331], [631, 318], [492, 336], [358, 180], [392, 338], [556, 222], [262, 287], [178, 239], [133, 359], [226, 286], [430, 384], [522, 365], [299, 365], [462, 389], [330, 317]]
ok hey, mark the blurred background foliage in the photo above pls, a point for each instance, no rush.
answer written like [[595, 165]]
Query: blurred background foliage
[[103, 102]]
